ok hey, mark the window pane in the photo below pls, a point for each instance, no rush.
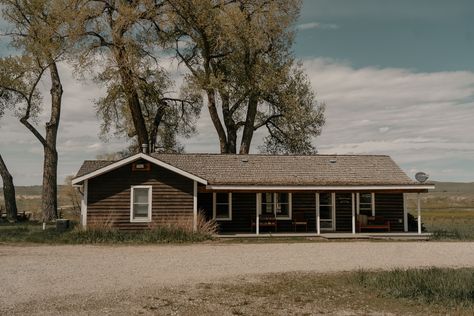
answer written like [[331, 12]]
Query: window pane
[[267, 208], [140, 210], [365, 198], [325, 224], [222, 198], [325, 211], [222, 210], [283, 210], [282, 197], [325, 199], [140, 195], [267, 197]]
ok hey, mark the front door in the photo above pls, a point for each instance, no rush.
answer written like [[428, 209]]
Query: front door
[[327, 211]]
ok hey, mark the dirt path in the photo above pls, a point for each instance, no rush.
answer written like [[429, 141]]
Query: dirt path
[[41, 272]]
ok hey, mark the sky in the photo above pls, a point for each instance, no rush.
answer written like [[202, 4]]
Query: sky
[[397, 78]]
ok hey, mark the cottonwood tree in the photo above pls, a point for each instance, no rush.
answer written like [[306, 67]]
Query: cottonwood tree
[[36, 33], [6, 101], [122, 39], [239, 54]]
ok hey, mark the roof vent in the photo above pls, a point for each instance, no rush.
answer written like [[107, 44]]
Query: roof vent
[[332, 160], [245, 160]]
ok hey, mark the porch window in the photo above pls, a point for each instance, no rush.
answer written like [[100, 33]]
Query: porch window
[[222, 206], [140, 200], [277, 204], [366, 204]]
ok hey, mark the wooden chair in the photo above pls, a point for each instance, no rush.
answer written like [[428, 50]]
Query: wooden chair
[[299, 220]]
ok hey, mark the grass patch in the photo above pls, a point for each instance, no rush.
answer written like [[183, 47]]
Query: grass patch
[[449, 287], [449, 225], [33, 233]]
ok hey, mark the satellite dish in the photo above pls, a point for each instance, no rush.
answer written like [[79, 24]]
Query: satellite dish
[[421, 177]]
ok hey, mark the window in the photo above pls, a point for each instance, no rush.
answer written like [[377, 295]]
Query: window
[[366, 204], [277, 204], [222, 206], [140, 208]]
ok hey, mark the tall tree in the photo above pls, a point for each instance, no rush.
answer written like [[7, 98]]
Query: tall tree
[[239, 54], [37, 35], [122, 40]]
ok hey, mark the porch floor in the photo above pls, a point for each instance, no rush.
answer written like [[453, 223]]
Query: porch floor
[[334, 236]]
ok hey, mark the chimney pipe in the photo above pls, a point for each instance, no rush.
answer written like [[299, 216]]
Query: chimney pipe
[[145, 148]]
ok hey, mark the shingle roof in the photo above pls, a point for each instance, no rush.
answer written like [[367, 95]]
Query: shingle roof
[[220, 169]]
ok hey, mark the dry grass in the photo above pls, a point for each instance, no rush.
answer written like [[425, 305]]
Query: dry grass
[[355, 293], [448, 224]]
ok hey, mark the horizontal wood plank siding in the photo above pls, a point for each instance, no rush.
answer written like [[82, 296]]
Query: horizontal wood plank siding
[[343, 212], [390, 206], [109, 197]]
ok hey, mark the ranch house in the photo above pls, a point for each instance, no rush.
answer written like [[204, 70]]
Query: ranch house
[[249, 194]]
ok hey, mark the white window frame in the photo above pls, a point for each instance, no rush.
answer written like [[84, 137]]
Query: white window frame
[[275, 202], [372, 194], [214, 206], [150, 195]]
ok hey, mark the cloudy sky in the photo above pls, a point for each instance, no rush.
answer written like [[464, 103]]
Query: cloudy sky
[[397, 78]]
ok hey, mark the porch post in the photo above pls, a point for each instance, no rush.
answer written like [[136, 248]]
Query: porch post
[[318, 216], [353, 215], [195, 212], [405, 213], [84, 204], [418, 202]]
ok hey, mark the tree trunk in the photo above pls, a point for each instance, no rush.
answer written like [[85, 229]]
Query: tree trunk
[[50, 167], [156, 124], [229, 123], [247, 134], [211, 104], [8, 191], [133, 99]]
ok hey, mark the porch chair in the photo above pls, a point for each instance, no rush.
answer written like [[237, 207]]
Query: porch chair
[[299, 220]]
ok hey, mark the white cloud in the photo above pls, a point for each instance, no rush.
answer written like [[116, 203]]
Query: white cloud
[[317, 25], [423, 120]]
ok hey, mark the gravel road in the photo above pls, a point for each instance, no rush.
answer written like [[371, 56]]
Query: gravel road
[[42, 272]]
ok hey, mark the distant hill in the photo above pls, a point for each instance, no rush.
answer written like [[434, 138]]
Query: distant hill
[[460, 187]]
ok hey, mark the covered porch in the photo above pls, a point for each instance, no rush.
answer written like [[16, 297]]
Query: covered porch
[[332, 213]]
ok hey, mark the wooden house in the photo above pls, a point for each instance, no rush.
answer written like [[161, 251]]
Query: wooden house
[[249, 193]]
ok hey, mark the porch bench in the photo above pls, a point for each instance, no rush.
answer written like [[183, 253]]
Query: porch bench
[[264, 221], [372, 223]]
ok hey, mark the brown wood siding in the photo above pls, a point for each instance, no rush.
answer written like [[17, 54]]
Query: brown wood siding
[[244, 209], [343, 212], [390, 206], [109, 197]]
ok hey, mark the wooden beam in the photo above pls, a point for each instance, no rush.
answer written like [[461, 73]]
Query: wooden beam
[[353, 215], [418, 202], [318, 215], [85, 188]]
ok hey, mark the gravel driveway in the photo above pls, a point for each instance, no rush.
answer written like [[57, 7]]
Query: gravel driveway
[[41, 272]]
